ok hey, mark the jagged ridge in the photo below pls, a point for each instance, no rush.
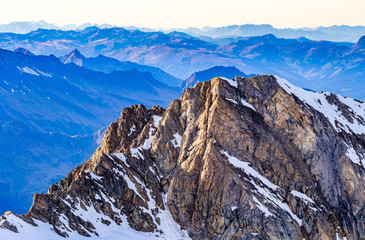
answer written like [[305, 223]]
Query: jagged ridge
[[249, 158]]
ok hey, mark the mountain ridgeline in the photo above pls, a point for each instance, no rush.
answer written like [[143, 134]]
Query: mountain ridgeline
[[108, 65], [206, 75], [243, 158], [52, 115], [336, 67]]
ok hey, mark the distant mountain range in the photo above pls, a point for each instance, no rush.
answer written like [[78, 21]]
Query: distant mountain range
[[335, 33], [26, 27], [53, 114], [341, 33], [108, 65], [318, 65]]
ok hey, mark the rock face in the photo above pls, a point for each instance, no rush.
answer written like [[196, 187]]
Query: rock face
[[247, 158]]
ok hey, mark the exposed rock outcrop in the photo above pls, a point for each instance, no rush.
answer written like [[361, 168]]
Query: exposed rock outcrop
[[247, 158]]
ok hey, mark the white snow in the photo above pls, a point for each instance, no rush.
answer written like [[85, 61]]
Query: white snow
[[267, 195], [233, 208], [262, 208], [176, 141], [28, 70], [121, 157], [231, 100], [93, 176], [44, 74], [351, 154], [170, 229], [35, 71], [245, 103], [319, 102], [131, 185], [338, 238], [245, 166], [303, 196], [148, 142], [230, 81], [133, 129]]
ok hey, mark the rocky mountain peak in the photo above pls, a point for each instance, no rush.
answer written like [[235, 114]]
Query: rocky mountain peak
[[73, 57], [24, 51], [207, 74], [242, 158]]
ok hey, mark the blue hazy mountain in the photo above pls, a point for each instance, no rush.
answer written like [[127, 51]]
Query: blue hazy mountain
[[107, 65], [341, 33], [24, 51], [335, 33], [208, 74], [318, 65], [26, 27], [52, 114]]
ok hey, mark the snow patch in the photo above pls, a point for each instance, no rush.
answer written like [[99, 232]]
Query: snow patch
[[245, 166], [28, 70], [303, 196], [353, 156], [245, 103], [34, 72], [93, 176], [148, 142], [231, 100], [230, 81], [133, 129], [262, 208], [176, 141], [265, 193]]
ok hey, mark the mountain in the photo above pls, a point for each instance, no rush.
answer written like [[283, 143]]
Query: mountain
[[205, 75], [333, 33], [170, 52], [73, 57], [318, 65], [242, 158], [24, 51], [26, 27], [107, 65], [52, 115]]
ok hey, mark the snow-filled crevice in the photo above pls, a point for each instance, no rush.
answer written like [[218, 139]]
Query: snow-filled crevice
[[262, 190]]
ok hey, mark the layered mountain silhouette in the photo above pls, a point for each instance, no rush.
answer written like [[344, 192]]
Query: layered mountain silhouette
[[107, 65], [242, 158], [341, 33], [318, 65], [52, 115]]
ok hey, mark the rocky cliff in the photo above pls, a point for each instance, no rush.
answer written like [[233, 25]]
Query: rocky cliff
[[247, 158]]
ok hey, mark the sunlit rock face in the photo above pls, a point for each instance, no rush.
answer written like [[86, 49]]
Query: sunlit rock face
[[242, 158]]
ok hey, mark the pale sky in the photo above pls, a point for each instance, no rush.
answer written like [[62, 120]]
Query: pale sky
[[187, 13]]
